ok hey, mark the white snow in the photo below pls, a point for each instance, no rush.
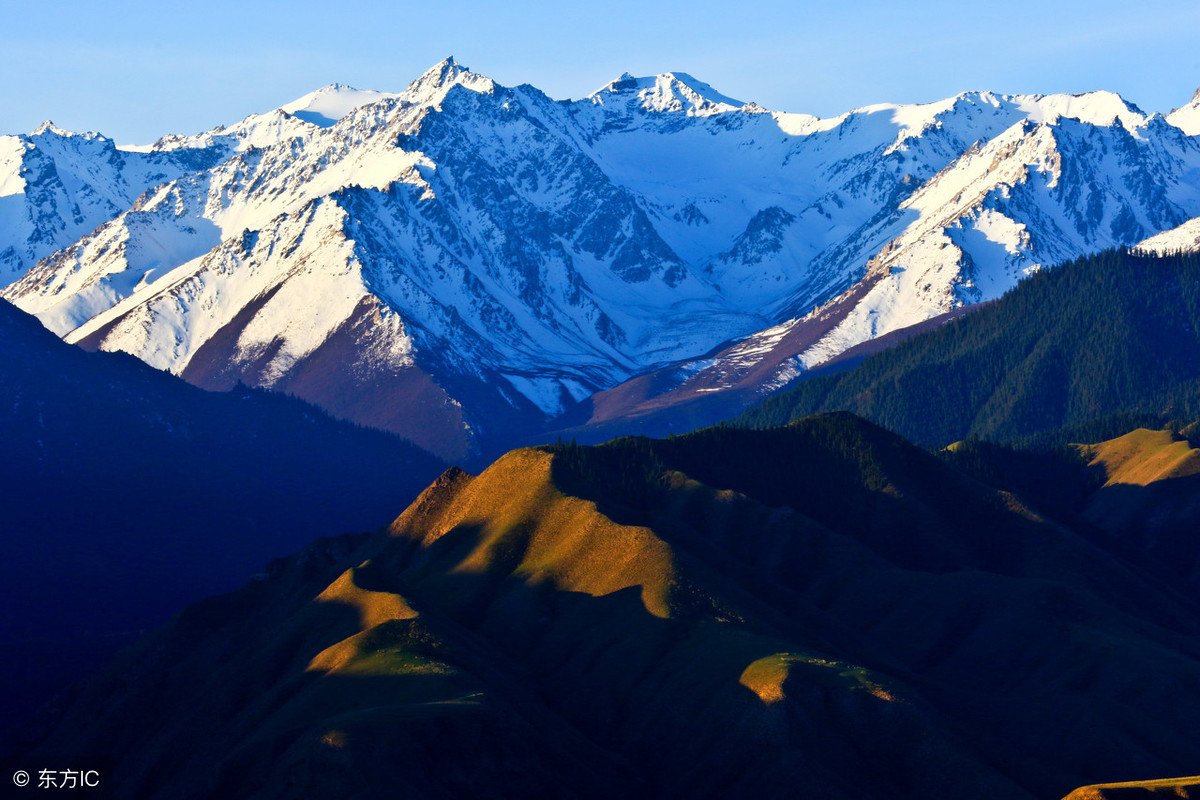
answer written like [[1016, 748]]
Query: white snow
[[307, 269], [1184, 239], [431, 88], [496, 230], [545, 392], [1095, 108], [12, 149], [120, 257], [668, 92], [1187, 118], [329, 104]]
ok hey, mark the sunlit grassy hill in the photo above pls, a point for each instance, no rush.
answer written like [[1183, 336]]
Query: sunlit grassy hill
[[1185, 788], [732, 613]]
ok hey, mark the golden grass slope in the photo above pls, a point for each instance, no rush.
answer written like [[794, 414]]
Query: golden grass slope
[[1143, 457], [768, 677], [1187, 788], [523, 525], [1151, 496], [754, 621]]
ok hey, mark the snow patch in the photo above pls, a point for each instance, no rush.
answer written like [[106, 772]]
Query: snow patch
[[545, 392], [1184, 239], [329, 104], [1095, 108], [1187, 118]]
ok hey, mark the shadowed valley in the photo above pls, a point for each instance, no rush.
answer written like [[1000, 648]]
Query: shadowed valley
[[128, 493], [821, 608]]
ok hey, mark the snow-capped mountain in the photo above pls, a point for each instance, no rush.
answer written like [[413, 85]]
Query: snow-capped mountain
[[1187, 118], [57, 186], [465, 262], [1184, 239]]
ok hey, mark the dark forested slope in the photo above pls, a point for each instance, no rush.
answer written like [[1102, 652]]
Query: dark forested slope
[[127, 493], [822, 610], [1114, 336]]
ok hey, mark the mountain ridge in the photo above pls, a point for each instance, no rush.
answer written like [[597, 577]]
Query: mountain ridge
[[115, 475], [672, 623], [1099, 338], [539, 251]]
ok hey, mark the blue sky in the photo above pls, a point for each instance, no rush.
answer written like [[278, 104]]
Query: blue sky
[[137, 70]]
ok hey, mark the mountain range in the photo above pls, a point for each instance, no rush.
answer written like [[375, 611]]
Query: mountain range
[[821, 609], [1089, 348], [472, 265], [128, 493], [945, 547]]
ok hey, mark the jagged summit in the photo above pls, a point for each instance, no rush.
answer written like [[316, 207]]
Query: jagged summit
[[49, 127], [443, 72], [1187, 117], [668, 91], [433, 84]]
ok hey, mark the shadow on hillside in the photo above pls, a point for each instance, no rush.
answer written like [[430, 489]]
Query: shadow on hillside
[[498, 688], [511, 672], [1161, 519]]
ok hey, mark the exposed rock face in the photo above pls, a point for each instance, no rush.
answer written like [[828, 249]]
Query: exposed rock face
[[522, 254]]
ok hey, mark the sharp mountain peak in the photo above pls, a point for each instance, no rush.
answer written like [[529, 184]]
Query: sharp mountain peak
[[529, 254], [666, 91]]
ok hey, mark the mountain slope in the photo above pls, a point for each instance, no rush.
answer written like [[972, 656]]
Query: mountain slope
[[731, 613], [1187, 117], [128, 493], [1151, 496], [1103, 336], [1185, 788], [57, 186], [497, 258], [1183, 239]]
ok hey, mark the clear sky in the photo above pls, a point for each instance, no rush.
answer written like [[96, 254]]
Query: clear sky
[[136, 70]]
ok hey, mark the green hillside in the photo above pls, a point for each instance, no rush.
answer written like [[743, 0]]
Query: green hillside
[[1088, 349]]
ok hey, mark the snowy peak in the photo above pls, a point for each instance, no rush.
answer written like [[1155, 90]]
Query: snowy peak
[[669, 92], [432, 86], [1184, 239], [49, 128], [984, 114], [327, 105], [1187, 118], [322, 109], [526, 253], [300, 118], [1095, 108]]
